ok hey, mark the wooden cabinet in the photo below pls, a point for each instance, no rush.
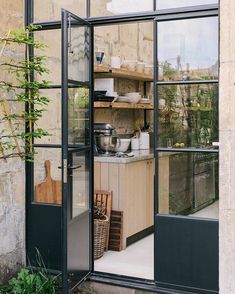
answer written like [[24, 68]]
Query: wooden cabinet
[[132, 185]]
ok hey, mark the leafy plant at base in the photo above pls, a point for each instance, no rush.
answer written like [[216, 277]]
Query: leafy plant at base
[[21, 90], [33, 282]]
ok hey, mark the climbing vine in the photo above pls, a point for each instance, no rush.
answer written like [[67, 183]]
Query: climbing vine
[[18, 89]]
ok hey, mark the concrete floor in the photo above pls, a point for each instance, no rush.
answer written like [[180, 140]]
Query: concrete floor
[[98, 288], [135, 261]]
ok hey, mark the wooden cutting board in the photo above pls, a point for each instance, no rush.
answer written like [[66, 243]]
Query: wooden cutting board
[[49, 191]]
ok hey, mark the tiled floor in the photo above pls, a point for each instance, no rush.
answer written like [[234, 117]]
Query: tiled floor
[[136, 260], [98, 288]]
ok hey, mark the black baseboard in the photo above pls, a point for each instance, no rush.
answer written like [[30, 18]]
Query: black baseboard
[[140, 235]]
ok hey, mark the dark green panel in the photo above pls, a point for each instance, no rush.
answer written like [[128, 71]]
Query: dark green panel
[[187, 253], [44, 233]]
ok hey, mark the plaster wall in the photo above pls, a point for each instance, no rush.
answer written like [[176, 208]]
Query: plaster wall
[[12, 193], [227, 151]]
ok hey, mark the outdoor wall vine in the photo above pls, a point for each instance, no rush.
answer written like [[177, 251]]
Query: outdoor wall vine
[[14, 140]]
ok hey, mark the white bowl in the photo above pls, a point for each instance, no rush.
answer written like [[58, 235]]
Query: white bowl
[[134, 97], [122, 145]]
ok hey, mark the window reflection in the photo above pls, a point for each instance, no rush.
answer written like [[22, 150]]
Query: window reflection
[[188, 116], [78, 53], [113, 7], [80, 183], [188, 49], [165, 4], [51, 10], [78, 116], [188, 184]]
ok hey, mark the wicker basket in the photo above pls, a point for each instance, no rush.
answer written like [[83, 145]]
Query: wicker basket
[[100, 234]]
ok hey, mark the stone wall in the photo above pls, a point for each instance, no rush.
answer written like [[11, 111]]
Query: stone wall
[[12, 192], [227, 150]]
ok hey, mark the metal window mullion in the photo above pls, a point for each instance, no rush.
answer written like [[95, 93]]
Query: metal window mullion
[[190, 82], [64, 157], [165, 14], [188, 150], [154, 5], [88, 8]]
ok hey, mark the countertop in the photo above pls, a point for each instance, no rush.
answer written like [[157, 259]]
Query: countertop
[[138, 156]]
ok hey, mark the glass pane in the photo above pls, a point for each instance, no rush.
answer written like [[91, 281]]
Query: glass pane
[[188, 184], [166, 4], [47, 176], [130, 44], [78, 116], [188, 116], [79, 53], [114, 7], [51, 9], [79, 220], [80, 182], [52, 52], [51, 118], [188, 49]]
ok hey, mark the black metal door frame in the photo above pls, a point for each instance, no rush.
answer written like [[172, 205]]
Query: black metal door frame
[[195, 11], [67, 149]]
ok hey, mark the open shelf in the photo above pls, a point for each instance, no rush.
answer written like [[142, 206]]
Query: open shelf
[[119, 105], [109, 72]]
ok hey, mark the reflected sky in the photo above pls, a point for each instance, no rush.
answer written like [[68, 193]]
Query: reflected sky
[[124, 6], [195, 41], [164, 4]]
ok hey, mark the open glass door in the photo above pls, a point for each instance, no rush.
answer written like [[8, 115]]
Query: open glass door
[[76, 149]]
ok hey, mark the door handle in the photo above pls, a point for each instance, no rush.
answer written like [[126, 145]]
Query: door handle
[[71, 167], [74, 167]]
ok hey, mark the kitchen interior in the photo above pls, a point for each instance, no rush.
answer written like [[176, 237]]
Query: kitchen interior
[[123, 135]]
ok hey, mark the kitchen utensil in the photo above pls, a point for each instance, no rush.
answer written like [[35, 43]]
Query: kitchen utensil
[[122, 145], [99, 55], [107, 143], [144, 140], [106, 84], [48, 191], [135, 143]]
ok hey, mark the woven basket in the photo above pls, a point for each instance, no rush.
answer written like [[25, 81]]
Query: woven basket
[[100, 234]]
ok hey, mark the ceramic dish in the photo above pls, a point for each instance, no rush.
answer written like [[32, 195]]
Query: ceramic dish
[[123, 99], [134, 97], [144, 100]]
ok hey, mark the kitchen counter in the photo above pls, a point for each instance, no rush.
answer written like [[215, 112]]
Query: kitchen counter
[[138, 156]]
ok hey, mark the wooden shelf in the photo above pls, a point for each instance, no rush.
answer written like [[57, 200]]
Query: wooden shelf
[[109, 72], [119, 105]]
